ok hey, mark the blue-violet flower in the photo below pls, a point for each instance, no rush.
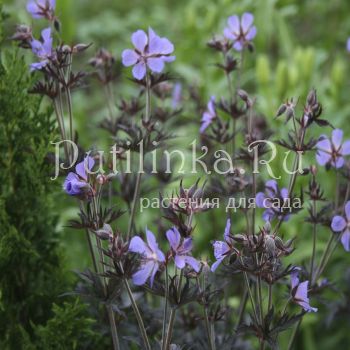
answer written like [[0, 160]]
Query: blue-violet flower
[[332, 151], [181, 250], [77, 183], [151, 51], [341, 224], [152, 257], [240, 31]]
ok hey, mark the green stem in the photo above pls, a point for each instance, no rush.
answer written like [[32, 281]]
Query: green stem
[[134, 203], [139, 174], [246, 279], [165, 313], [138, 315], [313, 243], [170, 328], [113, 328], [270, 297], [295, 331], [61, 127]]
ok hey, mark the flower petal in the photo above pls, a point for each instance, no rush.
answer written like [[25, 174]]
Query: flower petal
[[337, 137], [324, 144], [180, 261], [129, 57], [211, 106], [33, 9], [229, 35], [38, 65], [294, 277], [345, 148], [37, 48], [246, 21], [271, 188], [174, 237], [339, 162], [259, 199], [322, 158], [141, 276], [227, 230], [301, 292], [233, 23], [220, 249], [345, 240], [139, 70], [154, 271], [156, 64], [151, 240], [238, 45], [82, 167], [187, 245], [216, 264], [47, 40], [137, 245], [159, 45], [347, 210], [251, 33], [194, 263], [338, 223], [139, 39]]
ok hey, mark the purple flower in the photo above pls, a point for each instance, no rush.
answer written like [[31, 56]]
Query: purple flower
[[241, 31], [209, 115], [341, 224], [77, 183], [150, 51], [348, 45], [181, 250], [300, 291], [332, 151], [152, 256], [272, 200], [223, 248], [43, 50], [42, 8]]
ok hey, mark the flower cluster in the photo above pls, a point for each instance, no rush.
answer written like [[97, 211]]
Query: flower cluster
[[150, 52]]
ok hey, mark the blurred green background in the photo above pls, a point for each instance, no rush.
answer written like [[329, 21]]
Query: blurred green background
[[299, 45]]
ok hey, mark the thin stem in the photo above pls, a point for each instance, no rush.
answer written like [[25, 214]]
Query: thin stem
[[139, 174], [134, 203], [61, 126], [165, 313], [91, 249], [294, 173], [313, 242], [170, 328], [138, 315], [240, 70], [295, 331], [246, 279], [208, 329], [113, 328], [209, 326], [260, 301], [285, 306], [270, 297], [148, 99], [327, 257], [323, 258]]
